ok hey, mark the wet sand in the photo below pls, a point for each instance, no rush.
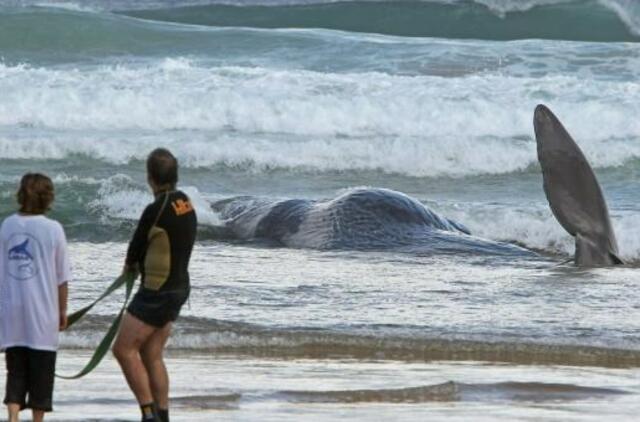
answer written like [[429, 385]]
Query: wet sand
[[221, 387]]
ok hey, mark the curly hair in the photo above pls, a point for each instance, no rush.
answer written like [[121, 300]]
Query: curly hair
[[35, 193]]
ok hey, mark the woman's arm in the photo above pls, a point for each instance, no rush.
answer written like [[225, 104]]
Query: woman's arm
[[63, 294], [63, 275]]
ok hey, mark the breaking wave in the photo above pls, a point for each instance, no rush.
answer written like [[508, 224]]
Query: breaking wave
[[264, 119]]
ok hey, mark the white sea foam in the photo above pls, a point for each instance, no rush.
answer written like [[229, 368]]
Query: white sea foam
[[66, 5], [58, 179], [532, 227], [120, 197], [627, 228], [263, 118], [412, 156], [64, 178], [537, 228], [174, 95], [203, 207]]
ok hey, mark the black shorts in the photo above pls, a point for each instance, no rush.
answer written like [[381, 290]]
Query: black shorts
[[30, 375], [157, 308]]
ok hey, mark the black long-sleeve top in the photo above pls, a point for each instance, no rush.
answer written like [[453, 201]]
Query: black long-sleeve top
[[161, 245]]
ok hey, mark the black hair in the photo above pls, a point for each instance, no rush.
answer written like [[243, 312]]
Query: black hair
[[162, 167]]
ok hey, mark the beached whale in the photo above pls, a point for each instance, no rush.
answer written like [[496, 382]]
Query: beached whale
[[370, 219], [362, 219]]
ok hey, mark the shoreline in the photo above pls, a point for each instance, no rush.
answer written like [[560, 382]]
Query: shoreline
[[227, 387]]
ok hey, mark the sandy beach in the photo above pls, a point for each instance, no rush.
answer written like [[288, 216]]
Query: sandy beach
[[239, 388]]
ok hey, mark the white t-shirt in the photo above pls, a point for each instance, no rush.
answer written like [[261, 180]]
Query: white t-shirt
[[33, 263]]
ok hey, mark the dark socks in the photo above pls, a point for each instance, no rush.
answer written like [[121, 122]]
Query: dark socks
[[163, 414], [149, 412]]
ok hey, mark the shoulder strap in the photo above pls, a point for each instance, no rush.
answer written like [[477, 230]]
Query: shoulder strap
[[164, 205]]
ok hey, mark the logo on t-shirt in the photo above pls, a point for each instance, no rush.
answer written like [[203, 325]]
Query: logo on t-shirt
[[21, 262]]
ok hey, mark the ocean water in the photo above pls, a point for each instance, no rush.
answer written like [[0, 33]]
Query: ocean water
[[263, 101]]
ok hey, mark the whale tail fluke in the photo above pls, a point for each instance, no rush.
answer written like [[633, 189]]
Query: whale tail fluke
[[573, 192]]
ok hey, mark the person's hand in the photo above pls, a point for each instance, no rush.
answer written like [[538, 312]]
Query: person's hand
[[133, 268], [63, 321]]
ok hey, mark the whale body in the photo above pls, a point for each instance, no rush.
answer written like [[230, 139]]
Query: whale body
[[359, 219]]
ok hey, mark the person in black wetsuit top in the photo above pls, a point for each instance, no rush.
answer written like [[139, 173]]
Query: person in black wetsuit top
[[159, 250]]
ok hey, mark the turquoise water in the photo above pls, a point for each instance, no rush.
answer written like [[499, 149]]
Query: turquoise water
[[303, 99]]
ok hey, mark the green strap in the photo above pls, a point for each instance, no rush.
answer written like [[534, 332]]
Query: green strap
[[74, 317], [128, 280]]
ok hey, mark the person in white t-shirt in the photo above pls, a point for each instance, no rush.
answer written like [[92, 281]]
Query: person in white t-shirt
[[34, 272]]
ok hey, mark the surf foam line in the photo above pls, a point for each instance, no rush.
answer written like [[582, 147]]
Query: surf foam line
[[264, 100], [251, 118], [230, 338]]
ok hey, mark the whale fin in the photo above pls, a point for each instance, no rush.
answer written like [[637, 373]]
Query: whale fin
[[589, 253], [573, 192]]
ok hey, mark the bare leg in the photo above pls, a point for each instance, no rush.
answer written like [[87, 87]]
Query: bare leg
[[14, 412], [151, 354], [133, 334], [38, 415]]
